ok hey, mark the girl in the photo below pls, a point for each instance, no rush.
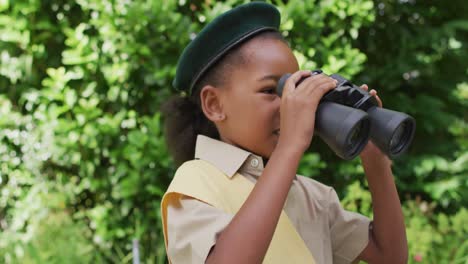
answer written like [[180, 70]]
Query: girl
[[236, 197]]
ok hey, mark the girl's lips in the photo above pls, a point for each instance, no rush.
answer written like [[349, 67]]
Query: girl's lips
[[276, 132]]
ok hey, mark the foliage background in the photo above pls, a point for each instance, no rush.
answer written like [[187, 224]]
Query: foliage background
[[83, 163]]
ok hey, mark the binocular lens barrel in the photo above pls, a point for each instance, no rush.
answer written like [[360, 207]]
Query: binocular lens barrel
[[391, 131], [398, 138], [344, 129], [356, 134]]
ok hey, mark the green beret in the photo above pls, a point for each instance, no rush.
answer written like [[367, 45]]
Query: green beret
[[220, 36]]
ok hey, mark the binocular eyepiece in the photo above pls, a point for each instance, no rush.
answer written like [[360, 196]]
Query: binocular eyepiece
[[348, 116]]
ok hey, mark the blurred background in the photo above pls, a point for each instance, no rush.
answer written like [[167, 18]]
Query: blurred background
[[83, 164]]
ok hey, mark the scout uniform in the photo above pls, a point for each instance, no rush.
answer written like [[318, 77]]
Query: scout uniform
[[330, 233], [207, 192]]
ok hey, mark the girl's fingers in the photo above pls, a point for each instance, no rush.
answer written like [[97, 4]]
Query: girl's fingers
[[323, 88], [290, 84], [373, 93], [379, 101], [311, 84]]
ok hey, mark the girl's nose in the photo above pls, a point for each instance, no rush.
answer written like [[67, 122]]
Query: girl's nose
[[278, 105]]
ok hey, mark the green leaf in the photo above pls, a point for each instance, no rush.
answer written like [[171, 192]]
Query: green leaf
[[4, 5]]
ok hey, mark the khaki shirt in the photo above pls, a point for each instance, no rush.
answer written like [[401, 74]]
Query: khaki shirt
[[332, 234]]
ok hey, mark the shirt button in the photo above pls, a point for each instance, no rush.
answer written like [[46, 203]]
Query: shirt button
[[254, 163]]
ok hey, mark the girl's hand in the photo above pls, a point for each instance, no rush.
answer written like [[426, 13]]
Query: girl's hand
[[371, 150], [298, 108], [373, 93]]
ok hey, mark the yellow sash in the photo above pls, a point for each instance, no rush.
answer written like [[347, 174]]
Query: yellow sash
[[201, 180]]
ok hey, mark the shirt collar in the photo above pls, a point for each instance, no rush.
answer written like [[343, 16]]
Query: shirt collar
[[226, 157]]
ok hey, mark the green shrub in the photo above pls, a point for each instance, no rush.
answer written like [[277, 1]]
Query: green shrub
[[82, 154], [432, 237]]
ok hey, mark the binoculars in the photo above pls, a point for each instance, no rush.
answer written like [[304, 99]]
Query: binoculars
[[348, 116]]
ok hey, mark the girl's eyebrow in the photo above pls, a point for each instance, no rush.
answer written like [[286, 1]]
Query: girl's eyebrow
[[269, 77]]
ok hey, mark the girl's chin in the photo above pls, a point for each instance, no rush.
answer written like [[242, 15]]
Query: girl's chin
[[272, 148]]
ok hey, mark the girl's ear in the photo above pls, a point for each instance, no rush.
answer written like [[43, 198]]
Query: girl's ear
[[211, 103]]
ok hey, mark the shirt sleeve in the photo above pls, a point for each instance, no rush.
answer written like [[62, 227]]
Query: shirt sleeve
[[349, 231], [192, 228]]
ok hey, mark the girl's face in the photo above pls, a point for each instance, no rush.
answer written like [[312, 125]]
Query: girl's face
[[249, 100]]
